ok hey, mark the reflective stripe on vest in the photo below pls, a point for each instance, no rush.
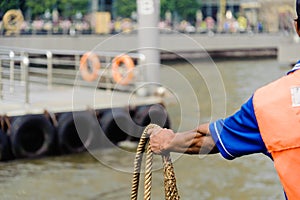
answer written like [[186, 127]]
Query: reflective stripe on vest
[[278, 116]]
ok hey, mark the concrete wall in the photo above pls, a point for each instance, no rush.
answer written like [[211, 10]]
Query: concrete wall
[[169, 42]]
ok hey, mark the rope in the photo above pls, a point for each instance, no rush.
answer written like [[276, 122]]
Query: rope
[[171, 192]]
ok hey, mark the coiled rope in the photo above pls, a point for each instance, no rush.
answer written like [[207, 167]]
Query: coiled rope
[[171, 192]]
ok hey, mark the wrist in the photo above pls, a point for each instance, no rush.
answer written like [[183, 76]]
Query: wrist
[[169, 141]]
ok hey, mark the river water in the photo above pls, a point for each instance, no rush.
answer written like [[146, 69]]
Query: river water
[[204, 91]]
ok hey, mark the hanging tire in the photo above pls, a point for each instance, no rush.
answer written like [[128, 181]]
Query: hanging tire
[[76, 131], [31, 136], [116, 124], [5, 147], [150, 114]]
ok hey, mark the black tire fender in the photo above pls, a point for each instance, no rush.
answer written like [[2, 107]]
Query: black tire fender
[[31, 136], [76, 131], [5, 147], [116, 124], [150, 114]]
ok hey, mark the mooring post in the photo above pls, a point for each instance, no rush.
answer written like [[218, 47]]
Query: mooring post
[[148, 38]]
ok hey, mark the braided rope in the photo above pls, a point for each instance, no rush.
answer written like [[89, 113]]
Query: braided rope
[[171, 192]]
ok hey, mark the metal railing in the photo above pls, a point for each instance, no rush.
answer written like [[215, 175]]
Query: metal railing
[[20, 67], [14, 76]]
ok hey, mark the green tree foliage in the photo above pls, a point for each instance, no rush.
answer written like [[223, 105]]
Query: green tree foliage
[[39, 8], [124, 8], [186, 9], [6, 5], [167, 5], [70, 7], [66, 8]]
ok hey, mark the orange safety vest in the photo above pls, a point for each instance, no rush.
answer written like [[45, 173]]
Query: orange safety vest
[[277, 109]]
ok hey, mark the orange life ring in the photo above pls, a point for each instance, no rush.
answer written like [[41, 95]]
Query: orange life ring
[[89, 75], [117, 75]]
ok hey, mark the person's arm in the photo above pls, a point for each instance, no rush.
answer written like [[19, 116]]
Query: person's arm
[[196, 141]]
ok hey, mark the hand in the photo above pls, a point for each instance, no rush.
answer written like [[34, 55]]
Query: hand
[[195, 141], [160, 139]]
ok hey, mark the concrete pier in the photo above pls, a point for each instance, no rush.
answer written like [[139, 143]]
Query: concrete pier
[[67, 99], [172, 42]]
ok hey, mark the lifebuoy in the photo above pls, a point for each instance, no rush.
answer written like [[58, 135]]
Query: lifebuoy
[[12, 21], [89, 75], [31, 136], [116, 124], [150, 114], [76, 131], [117, 75]]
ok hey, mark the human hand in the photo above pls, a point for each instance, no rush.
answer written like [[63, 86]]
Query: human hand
[[195, 141], [160, 139]]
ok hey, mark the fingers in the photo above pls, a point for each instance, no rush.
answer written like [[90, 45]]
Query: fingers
[[154, 130], [155, 142]]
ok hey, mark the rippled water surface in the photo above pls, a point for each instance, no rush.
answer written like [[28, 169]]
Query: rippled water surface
[[202, 89]]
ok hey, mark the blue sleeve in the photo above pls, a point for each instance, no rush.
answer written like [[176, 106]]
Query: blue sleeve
[[238, 135]]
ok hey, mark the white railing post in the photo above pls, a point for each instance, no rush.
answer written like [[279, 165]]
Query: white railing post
[[49, 69], [25, 64], [12, 71], [77, 62], [23, 70]]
